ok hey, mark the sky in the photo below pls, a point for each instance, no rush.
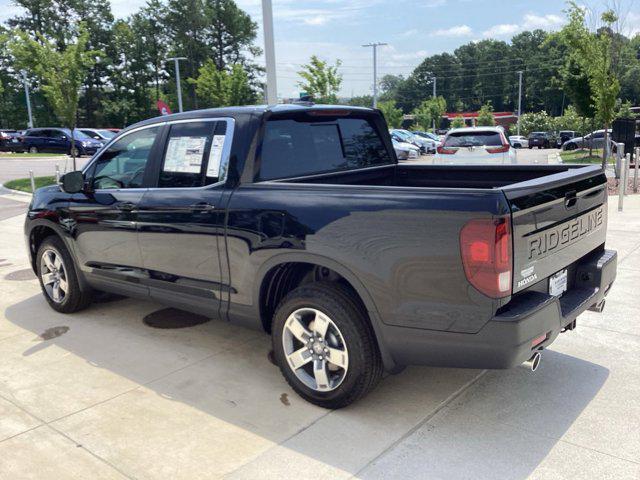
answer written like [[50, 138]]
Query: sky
[[337, 29]]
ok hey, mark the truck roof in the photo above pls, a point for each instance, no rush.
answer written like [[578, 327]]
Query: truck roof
[[246, 110]]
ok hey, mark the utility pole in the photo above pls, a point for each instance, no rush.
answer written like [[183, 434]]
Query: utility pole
[[435, 83], [26, 94], [375, 46], [176, 61], [269, 52], [519, 98]]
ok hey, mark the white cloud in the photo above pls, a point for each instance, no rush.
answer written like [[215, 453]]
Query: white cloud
[[501, 30], [455, 31], [530, 21], [545, 22]]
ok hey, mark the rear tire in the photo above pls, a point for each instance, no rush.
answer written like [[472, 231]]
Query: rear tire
[[349, 341], [58, 277]]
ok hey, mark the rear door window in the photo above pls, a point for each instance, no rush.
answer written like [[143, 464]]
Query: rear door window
[[306, 146], [193, 155], [474, 139]]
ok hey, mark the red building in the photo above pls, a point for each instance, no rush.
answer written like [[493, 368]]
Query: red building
[[504, 119]]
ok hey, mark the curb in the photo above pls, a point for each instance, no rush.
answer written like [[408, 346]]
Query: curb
[[9, 191]]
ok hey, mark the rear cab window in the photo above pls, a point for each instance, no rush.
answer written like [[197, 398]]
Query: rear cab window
[[308, 143]]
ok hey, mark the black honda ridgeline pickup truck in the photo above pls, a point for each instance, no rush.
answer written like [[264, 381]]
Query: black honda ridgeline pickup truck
[[298, 220]]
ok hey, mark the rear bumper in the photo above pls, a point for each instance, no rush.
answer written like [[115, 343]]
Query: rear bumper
[[506, 340]]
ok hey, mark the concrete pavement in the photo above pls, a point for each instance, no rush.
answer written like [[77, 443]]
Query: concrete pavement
[[99, 394]]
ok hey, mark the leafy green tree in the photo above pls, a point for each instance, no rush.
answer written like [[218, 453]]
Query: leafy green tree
[[571, 120], [222, 88], [361, 101], [485, 116], [430, 112], [61, 73], [391, 113], [624, 110], [320, 80], [593, 52], [458, 122], [535, 122]]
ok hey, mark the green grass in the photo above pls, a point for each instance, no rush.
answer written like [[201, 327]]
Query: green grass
[[29, 155], [24, 184], [582, 156]]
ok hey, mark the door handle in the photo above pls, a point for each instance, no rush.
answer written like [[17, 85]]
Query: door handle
[[202, 207], [126, 206]]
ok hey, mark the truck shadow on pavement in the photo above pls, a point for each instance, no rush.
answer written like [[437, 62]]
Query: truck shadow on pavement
[[128, 386]]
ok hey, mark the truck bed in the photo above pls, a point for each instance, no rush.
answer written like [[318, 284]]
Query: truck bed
[[439, 176]]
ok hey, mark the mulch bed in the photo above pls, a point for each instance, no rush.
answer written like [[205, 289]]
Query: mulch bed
[[613, 185]]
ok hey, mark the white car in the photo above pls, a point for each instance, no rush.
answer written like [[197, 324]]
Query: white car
[[518, 141], [405, 151], [476, 145]]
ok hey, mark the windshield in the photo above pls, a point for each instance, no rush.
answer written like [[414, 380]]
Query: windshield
[[79, 135], [403, 135], [473, 139], [106, 133]]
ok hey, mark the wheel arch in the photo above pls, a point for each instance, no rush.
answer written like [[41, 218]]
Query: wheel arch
[[282, 273]]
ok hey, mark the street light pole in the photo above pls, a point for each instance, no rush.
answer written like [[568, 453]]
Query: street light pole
[[435, 83], [519, 98], [269, 52], [26, 94], [176, 61], [375, 46]]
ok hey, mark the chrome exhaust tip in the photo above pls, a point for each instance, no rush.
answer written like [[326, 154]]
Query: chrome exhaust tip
[[533, 363]]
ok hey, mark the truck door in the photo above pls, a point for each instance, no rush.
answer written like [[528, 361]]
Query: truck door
[[181, 219]]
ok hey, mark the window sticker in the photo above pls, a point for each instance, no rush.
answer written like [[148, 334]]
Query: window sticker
[[184, 154], [215, 156]]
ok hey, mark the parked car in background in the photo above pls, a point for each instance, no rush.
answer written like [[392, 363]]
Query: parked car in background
[[402, 137], [476, 145], [565, 135], [518, 141], [541, 140], [429, 136], [426, 145], [7, 140], [405, 151], [592, 140], [58, 140], [100, 134]]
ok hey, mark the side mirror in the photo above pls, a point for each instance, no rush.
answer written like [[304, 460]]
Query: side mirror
[[72, 182]]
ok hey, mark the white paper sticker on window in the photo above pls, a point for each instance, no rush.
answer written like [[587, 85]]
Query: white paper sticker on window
[[184, 154], [215, 156]]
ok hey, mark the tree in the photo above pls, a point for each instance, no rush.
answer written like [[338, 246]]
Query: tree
[[535, 122], [222, 88], [391, 113], [623, 110], [458, 122], [593, 52], [61, 73], [321, 81], [361, 101], [430, 112], [485, 116], [571, 120]]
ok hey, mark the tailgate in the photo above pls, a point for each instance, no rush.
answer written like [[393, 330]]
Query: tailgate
[[557, 219]]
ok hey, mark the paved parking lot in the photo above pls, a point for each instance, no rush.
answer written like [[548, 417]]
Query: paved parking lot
[[100, 394]]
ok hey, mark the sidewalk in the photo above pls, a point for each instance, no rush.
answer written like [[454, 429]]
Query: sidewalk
[[99, 394]]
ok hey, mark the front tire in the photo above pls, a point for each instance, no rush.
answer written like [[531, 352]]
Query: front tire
[[324, 345], [33, 149], [58, 277]]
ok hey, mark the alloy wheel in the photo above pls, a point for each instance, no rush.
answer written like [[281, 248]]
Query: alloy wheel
[[315, 349], [54, 275]]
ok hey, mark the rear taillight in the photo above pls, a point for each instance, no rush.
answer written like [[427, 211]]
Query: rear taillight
[[502, 149], [446, 151], [485, 245]]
